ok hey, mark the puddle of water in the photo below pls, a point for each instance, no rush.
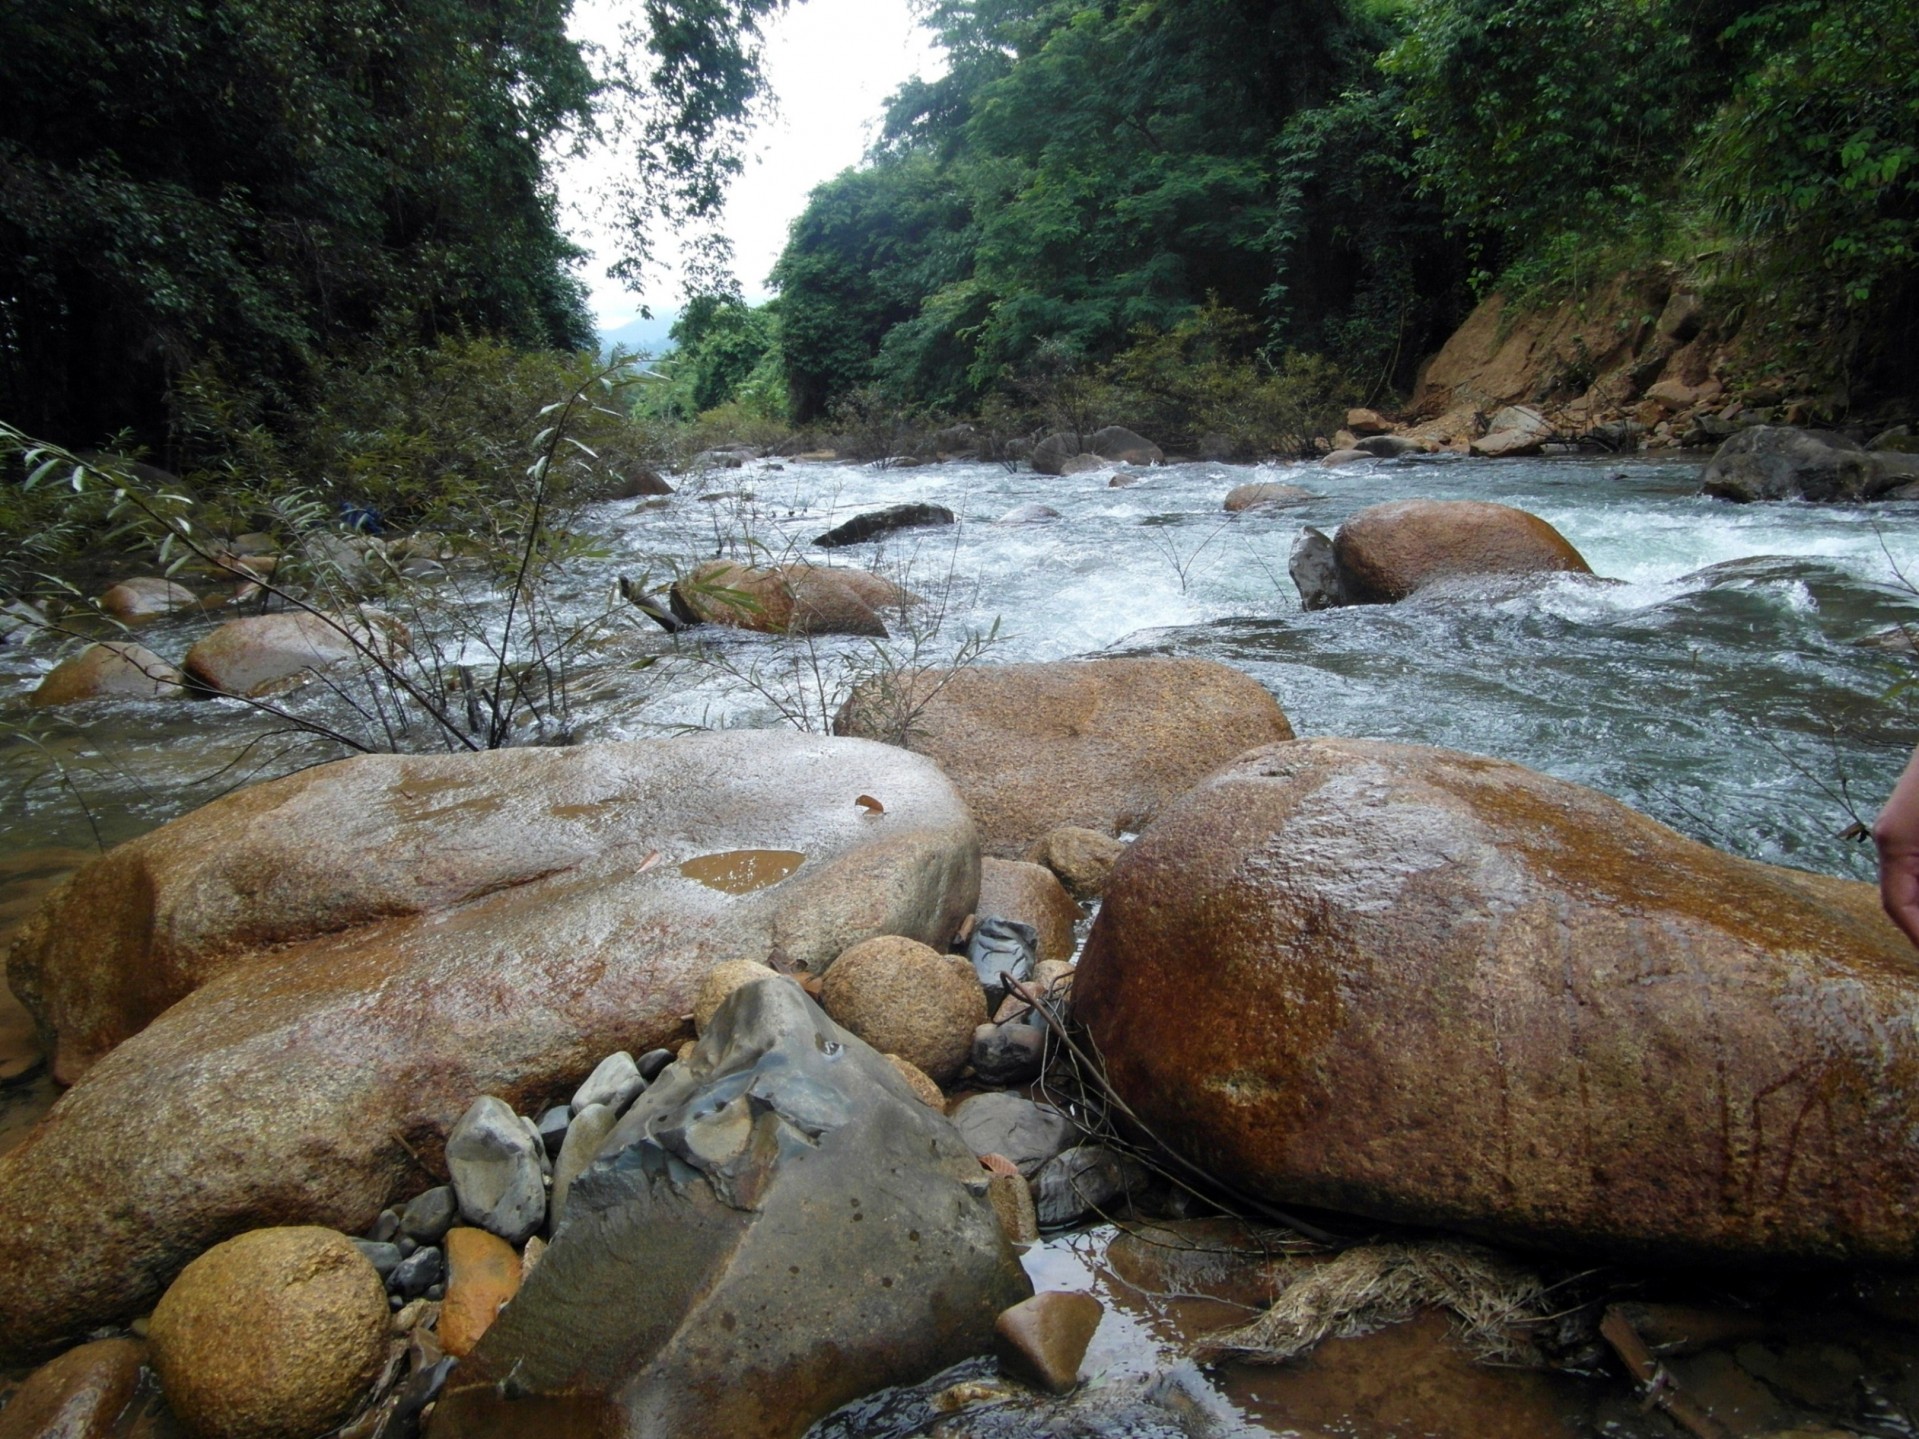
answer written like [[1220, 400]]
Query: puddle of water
[[741, 871]]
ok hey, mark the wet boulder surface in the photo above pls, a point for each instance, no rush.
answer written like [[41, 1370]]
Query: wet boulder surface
[[777, 1226], [278, 1006], [1429, 987], [1100, 744], [1387, 552]]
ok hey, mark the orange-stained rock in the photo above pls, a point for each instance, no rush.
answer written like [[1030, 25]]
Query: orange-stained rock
[[261, 655], [924, 1090], [908, 999], [1386, 552], [117, 669], [1042, 1339], [794, 599], [482, 1274], [1098, 743], [1081, 858], [1425, 986], [147, 598], [341, 960], [274, 1334], [1032, 894], [77, 1396]]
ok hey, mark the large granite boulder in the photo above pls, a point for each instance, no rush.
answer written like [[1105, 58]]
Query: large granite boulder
[[1783, 462], [1117, 443], [1429, 987], [331, 966], [875, 523], [1386, 552], [777, 1226], [1101, 744]]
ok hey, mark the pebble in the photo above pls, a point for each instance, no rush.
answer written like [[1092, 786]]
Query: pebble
[[1085, 1179], [1008, 1054], [1043, 1339], [590, 1128], [615, 1082], [1012, 1204], [1025, 1132], [652, 1062], [384, 1257], [385, 1227], [417, 1274], [428, 1216], [495, 1160], [483, 1275], [552, 1126]]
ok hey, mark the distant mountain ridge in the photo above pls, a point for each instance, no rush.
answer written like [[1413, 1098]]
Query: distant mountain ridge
[[650, 335]]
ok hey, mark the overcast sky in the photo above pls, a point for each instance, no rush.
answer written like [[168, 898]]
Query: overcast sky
[[830, 64]]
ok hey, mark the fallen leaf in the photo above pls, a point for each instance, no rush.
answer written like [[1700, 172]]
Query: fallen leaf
[[999, 1164], [870, 805], [652, 858]]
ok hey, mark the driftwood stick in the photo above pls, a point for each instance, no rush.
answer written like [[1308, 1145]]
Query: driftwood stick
[[1661, 1388]]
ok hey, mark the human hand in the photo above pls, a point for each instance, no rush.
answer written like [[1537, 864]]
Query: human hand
[[1896, 833]]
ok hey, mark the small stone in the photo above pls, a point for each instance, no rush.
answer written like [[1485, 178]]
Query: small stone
[[552, 1126], [385, 1227], [77, 1396], [1008, 1054], [531, 1255], [1086, 1179], [1002, 947], [1023, 1131], [418, 1273], [905, 998], [495, 1164], [1082, 858], [384, 1257], [652, 1062], [927, 1092], [274, 1334], [614, 1082], [685, 1051], [532, 1128], [720, 981], [406, 1244], [590, 1128], [428, 1216], [437, 1292], [1012, 1203], [411, 1314], [483, 1274], [1032, 894], [1043, 1339]]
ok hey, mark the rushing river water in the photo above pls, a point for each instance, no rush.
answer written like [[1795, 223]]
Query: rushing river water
[[1737, 703]]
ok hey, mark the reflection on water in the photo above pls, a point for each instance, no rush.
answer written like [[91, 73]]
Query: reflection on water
[[741, 871]]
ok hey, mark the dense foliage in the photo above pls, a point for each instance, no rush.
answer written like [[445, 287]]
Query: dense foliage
[[258, 185], [1085, 178]]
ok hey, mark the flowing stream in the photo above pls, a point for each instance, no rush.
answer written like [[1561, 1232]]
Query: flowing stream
[[1720, 677]]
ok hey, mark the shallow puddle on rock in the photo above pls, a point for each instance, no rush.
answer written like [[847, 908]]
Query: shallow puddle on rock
[[741, 871]]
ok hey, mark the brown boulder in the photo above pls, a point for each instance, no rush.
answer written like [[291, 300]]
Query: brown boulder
[[263, 655], [907, 999], [80, 1395], [1265, 495], [1386, 552], [1043, 1339], [115, 670], [1429, 987], [1081, 858], [1097, 743], [1031, 894], [1116, 442], [352, 953], [147, 598], [791, 599], [275, 1334]]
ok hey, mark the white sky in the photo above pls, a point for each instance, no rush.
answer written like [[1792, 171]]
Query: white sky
[[830, 65]]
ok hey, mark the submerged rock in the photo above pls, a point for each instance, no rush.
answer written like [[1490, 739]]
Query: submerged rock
[[334, 981], [1429, 987], [1096, 743], [791, 599], [1266, 495], [776, 1227], [146, 598], [113, 670], [263, 655], [875, 523]]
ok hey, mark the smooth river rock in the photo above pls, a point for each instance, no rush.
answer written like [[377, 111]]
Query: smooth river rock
[[1101, 744], [1386, 552], [116, 669], [1783, 462], [1429, 987], [776, 1226], [791, 599], [355, 952]]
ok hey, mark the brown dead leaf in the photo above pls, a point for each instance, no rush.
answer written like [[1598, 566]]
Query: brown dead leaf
[[999, 1164], [870, 805]]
